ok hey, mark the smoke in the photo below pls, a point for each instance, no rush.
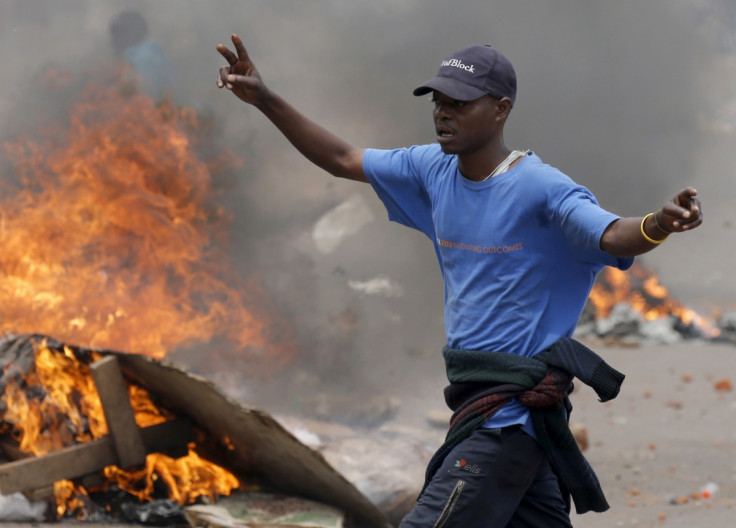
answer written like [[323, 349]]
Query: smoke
[[629, 98]]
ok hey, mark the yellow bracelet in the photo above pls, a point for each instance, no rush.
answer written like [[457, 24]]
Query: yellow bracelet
[[646, 237]]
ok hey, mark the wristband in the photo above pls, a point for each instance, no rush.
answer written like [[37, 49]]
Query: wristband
[[647, 237]]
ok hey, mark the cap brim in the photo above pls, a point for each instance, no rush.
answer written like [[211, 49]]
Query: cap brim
[[450, 87]]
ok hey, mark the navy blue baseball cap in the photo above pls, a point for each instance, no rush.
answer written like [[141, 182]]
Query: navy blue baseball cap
[[472, 73]]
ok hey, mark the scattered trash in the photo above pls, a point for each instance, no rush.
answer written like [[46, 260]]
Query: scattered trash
[[261, 510], [580, 433], [339, 223], [680, 499], [727, 326], [17, 508], [723, 385], [439, 418], [709, 490], [162, 512], [625, 324], [378, 286]]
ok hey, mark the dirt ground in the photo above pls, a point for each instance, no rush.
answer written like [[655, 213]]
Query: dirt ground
[[670, 432]]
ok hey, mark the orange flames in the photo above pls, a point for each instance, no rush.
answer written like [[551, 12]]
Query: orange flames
[[112, 238], [66, 409], [643, 292], [111, 235], [69, 412]]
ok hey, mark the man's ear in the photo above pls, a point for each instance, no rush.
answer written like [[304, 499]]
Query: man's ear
[[503, 107]]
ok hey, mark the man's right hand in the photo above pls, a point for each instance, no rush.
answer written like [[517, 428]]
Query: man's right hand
[[241, 76], [318, 145]]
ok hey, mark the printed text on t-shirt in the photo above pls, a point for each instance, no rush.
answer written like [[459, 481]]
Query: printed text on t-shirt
[[480, 249]]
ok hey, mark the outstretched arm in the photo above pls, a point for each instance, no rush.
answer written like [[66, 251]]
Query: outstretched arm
[[628, 237], [318, 145]]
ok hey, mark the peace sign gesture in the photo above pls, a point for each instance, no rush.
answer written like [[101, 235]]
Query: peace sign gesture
[[241, 76]]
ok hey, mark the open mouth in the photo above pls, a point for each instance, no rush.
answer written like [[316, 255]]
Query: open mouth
[[444, 133]]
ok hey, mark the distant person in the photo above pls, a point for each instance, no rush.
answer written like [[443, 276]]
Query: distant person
[[129, 35], [519, 245]]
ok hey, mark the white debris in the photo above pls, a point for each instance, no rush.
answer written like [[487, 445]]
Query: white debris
[[262, 510], [378, 286], [301, 432], [660, 330], [727, 322], [17, 508], [341, 222], [623, 321]]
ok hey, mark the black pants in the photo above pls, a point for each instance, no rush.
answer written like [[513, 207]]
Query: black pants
[[496, 478]]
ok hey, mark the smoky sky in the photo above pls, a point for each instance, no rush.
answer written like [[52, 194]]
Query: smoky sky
[[625, 97]]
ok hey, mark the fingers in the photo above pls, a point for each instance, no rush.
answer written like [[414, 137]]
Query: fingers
[[685, 196], [690, 205], [222, 78], [685, 224], [237, 62], [240, 48], [244, 82], [684, 212], [230, 57]]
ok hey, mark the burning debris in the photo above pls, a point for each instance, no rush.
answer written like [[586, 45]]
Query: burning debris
[[172, 439], [113, 236], [633, 306]]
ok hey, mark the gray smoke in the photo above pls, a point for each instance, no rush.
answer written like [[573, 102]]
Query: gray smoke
[[633, 99]]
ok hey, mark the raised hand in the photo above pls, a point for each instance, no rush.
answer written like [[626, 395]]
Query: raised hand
[[241, 76]]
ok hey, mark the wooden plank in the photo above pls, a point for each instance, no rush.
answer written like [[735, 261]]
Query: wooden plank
[[40, 494], [118, 412], [68, 463], [87, 458], [89, 481], [11, 448]]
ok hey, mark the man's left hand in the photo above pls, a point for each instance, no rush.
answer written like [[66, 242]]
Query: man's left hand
[[682, 213]]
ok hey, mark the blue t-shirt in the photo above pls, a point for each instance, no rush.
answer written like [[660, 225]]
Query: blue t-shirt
[[518, 253], [148, 60]]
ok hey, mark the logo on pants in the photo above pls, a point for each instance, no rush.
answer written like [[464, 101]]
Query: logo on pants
[[475, 468]]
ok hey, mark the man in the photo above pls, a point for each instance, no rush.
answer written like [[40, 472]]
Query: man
[[519, 245], [129, 37]]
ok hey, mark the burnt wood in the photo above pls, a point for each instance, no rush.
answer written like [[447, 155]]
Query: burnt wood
[[90, 457], [119, 414]]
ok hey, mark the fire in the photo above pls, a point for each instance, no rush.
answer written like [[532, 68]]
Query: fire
[[641, 289], [68, 412], [65, 409], [68, 497], [112, 236], [187, 478]]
